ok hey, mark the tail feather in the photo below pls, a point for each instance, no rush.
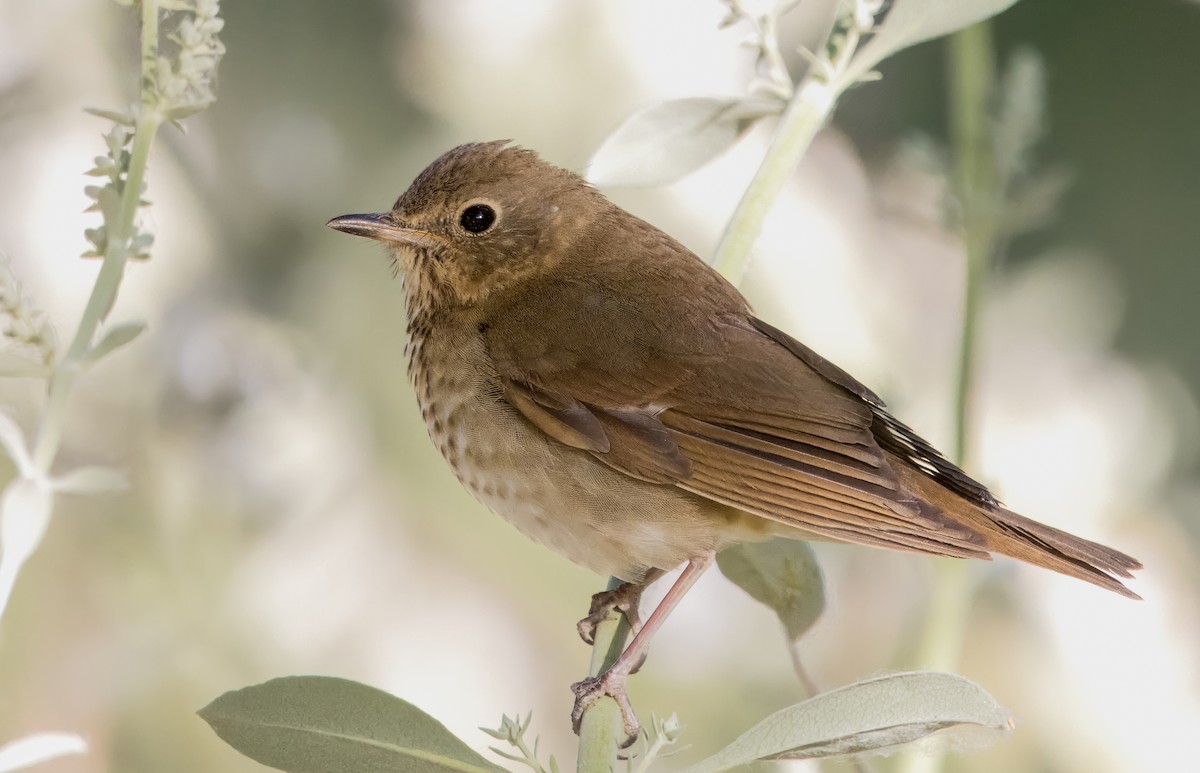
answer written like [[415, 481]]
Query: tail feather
[[1036, 543], [1016, 536]]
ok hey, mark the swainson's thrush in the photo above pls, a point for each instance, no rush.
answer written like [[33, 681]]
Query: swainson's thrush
[[595, 383]]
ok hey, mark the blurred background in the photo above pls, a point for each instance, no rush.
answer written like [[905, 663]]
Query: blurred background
[[288, 515]]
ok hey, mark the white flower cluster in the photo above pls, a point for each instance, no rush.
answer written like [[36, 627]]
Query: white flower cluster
[[184, 83], [772, 79], [22, 324], [173, 87], [106, 198]]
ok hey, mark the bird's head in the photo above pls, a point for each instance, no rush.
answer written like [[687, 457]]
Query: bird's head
[[480, 219]]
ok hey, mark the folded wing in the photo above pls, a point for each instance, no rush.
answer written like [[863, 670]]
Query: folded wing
[[749, 423]]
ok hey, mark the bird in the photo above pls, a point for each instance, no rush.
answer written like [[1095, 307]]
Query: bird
[[603, 389]]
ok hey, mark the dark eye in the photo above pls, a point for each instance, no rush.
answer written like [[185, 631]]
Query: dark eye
[[477, 218]]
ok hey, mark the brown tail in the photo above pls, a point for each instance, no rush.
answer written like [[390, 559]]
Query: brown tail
[[1016, 536], [1036, 543]]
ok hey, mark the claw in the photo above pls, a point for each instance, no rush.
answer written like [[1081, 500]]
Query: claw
[[592, 689], [624, 599]]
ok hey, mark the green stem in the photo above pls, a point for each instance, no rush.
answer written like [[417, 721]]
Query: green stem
[[971, 77], [602, 725], [116, 253], [805, 115]]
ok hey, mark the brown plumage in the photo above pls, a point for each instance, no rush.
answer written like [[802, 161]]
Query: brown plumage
[[598, 385]]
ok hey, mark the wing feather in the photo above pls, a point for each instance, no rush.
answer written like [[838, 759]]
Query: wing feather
[[563, 418], [844, 462], [817, 518], [642, 447]]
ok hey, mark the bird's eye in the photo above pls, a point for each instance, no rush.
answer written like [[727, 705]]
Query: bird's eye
[[477, 218]]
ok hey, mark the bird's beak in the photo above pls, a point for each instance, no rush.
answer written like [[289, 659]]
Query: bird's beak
[[382, 227]]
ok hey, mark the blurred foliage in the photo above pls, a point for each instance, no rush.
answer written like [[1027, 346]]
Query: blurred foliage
[[1122, 121]]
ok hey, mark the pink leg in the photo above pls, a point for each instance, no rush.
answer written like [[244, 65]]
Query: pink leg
[[612, 681]]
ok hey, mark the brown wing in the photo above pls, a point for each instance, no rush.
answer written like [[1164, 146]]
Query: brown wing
[[716, 406], [631, 440], [889, 432], [634, 351]]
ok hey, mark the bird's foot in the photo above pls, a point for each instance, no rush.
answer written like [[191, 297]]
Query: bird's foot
[[592, 689], [624, 599]]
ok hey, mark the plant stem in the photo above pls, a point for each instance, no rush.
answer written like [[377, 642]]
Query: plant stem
[[116, 253], [971, 77], [602, 723], [806, 113], [804, 116], [651, 755], [806, 680]]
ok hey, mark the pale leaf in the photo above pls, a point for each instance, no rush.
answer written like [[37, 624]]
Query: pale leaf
[[873, 715], [664, 142], [37, 748], [1020, 117], [91, 480], [24, 514], [914, 21], [114, 338], [13, 441]]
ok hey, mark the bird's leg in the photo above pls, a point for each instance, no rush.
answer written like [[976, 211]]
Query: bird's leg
[[624, 599], [612, 681]]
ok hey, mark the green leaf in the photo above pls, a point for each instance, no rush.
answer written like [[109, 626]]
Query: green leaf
[[783, 574], [320, 724], [871, 715], [915, 21], [664, 142], [114, 338]]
